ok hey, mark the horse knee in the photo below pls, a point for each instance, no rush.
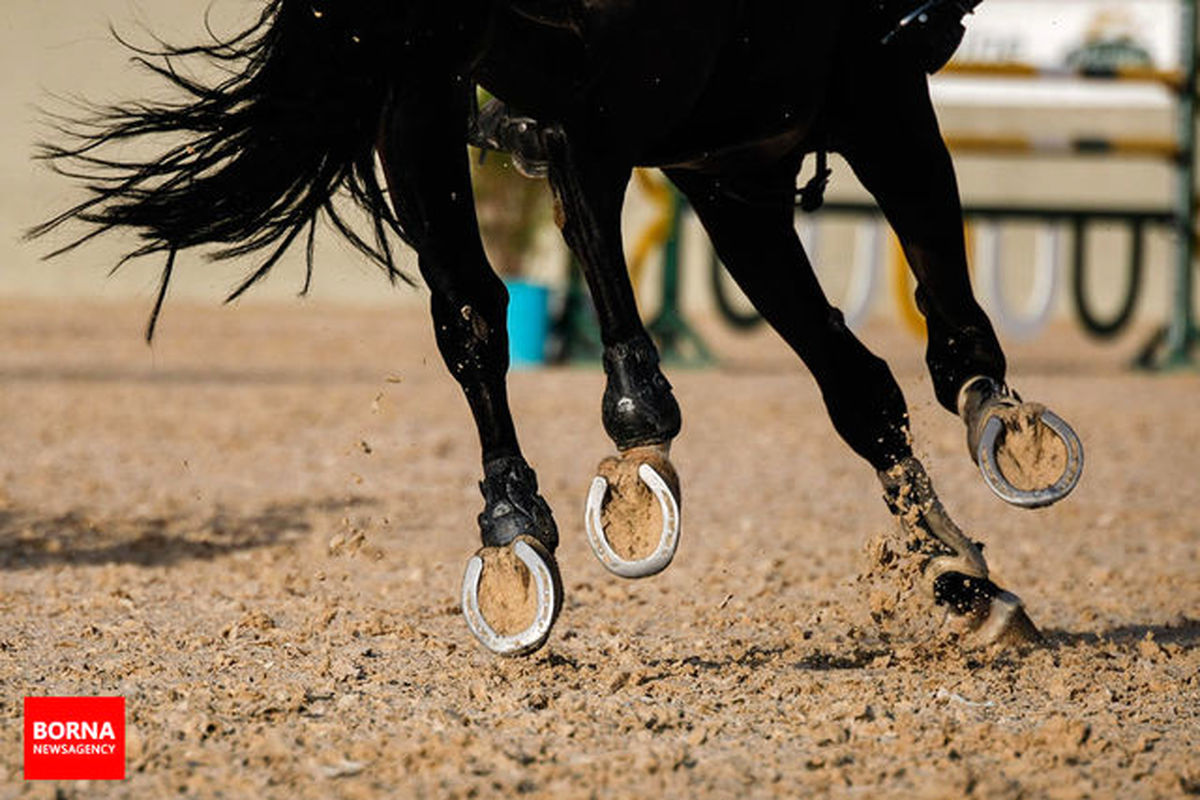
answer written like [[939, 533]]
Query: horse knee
[[472, 336]]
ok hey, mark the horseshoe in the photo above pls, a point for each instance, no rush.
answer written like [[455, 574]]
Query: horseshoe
[[668, 541], [1037, 498], [548, 590]]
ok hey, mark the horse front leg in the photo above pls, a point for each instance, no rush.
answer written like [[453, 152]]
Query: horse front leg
[[512, 592], [1028, 456], [632, 514]]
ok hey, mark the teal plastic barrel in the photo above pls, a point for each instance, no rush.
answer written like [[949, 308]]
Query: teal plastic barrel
[[528, 323]]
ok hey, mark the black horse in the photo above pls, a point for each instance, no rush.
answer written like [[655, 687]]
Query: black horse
[[725, 96]]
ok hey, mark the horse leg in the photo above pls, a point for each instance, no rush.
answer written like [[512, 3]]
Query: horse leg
[[632, 513], [512, 592], [1028, 456], [759, 246]]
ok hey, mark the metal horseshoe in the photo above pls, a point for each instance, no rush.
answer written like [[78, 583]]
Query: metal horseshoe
[[548, 596], [1037, 498], [668, 541]]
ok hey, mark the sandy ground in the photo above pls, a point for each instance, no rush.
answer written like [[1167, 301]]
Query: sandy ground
[[255, 531]]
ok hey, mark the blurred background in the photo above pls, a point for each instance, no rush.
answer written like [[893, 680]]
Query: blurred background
[[1036, 147]]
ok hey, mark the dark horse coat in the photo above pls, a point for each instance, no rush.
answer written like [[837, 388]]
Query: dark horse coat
[[727, 97]]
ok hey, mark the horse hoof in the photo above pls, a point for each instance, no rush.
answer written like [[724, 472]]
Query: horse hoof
[[632, 513], [511, 596], [1028, 455], [985, 613], [1006, 624]]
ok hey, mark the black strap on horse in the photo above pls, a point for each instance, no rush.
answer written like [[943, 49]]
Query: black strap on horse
[[809, 197], [812, 195], [494, 127]]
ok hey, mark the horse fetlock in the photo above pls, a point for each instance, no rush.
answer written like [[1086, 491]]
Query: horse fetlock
[[639, 407], [513, 507], [909, 494]]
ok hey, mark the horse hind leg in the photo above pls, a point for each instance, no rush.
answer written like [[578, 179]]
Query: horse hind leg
[[1028, 456], [632, 514], [759, 246], [955, 572]]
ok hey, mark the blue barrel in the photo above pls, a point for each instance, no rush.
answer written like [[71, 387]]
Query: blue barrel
[[528, 323]]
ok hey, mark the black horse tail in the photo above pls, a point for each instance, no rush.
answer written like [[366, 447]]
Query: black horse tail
[[252, 160]]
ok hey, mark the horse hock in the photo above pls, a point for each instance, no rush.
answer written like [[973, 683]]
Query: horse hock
[[953, 570], [512, 590], [632, 514]]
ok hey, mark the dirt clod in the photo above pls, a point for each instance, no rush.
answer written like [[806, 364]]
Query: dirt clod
[[631, 515], [1030, 455], [894, 586], [507, 592]]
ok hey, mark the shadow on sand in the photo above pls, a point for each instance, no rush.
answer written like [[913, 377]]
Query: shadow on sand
[[1184, 632], [30, 541]]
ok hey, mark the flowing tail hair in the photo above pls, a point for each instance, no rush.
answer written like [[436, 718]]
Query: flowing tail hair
[[252, 160]]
